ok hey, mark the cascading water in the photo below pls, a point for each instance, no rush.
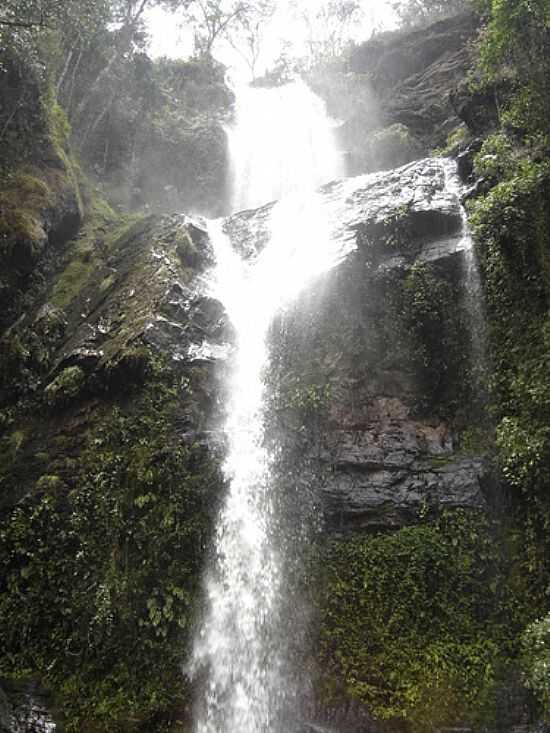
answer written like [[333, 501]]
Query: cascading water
[[282, 144], [472, 275], [281, 147]]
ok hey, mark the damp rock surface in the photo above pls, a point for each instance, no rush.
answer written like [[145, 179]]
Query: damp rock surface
[[406, 212], [375, 356]]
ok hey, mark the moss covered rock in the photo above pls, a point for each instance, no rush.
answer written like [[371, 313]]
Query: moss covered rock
[[104, 448], [65, 387], [40, 203]]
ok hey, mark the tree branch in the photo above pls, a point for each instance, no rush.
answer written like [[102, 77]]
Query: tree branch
[[23, 24]]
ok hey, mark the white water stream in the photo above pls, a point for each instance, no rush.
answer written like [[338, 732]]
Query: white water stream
[[281, 147], [282, 144], [472, 276]]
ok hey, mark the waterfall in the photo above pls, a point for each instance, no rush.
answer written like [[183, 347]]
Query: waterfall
[[282, 148], [282, 144], [472, 276]]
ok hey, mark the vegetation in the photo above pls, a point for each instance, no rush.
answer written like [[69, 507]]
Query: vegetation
[[145, 128], [418, 12], [131, 521], [515, 50], [536, 658], [418, 624]]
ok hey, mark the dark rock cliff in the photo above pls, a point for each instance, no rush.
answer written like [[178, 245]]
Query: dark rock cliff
[[396, 97], [40, 198]]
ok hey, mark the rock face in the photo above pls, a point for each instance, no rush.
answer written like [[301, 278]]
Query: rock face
[[40, 199], [387, 472], [94, 336], [108, 394], [397, 97], [373, 360], [394, 217]]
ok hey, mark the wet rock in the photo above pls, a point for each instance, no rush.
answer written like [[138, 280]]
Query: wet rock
[[151, 294], [392, 469], [400, 492], [398, 212], [465, 160], [384, 356], [25, 708], [479, 188], [84, 358], [477, 109]]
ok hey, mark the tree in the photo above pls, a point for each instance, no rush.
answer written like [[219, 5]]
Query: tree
[[417, 12], [211, 19], [29, 14], [516, 43], [248, 37], [329, 29]]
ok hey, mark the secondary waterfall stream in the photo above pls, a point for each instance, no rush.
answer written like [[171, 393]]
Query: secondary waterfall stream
[[281, 147]]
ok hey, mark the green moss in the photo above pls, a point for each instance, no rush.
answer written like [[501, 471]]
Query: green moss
[[65, 387], [72, 279], [100, 229], [29, 186], [415, 624], [440, 461], [24, 196], [28, 192], [59, 128], [50, 482]]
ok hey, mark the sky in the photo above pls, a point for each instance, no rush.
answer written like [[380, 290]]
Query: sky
[[169, 38]]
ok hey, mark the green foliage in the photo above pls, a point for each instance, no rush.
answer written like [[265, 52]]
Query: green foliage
[[418, 12], [439, 356], [307, 399], [456, 140], [536, 659], [65, 387], [103, 614], [511, 225], [497, 157], [415, 623], [516, 46]]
